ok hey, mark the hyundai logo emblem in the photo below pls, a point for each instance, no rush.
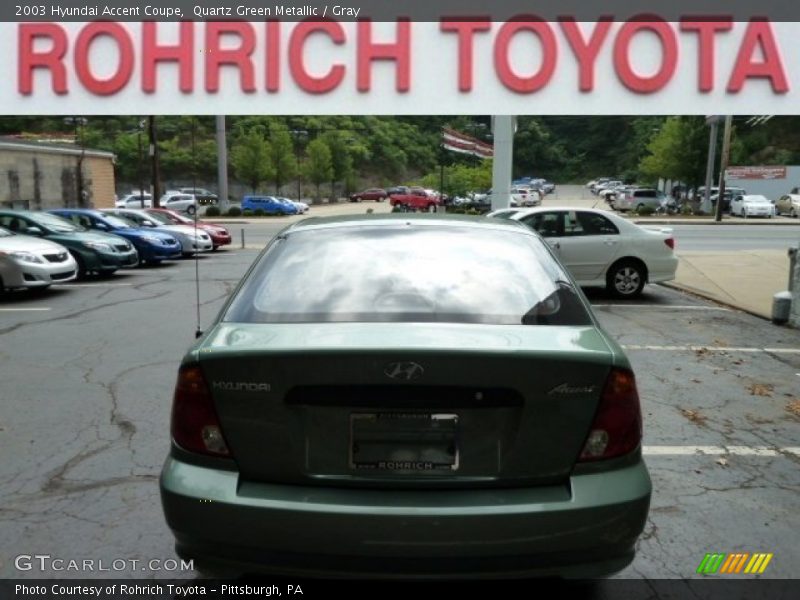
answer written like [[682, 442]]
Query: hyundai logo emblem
[[404, 371]]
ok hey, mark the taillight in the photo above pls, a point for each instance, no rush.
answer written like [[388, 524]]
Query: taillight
[[617, 426], [195, 425], [670, 242]]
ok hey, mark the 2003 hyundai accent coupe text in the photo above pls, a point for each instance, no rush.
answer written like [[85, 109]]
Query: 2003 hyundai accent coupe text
[[407, 396]]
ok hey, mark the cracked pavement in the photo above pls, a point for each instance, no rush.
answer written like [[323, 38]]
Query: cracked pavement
[[86, 393]]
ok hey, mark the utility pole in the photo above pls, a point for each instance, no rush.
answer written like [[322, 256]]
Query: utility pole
[[726, 151], [222, 164], [81, 194], [713, 123], [140, 173], [503, 127], [153, 133]]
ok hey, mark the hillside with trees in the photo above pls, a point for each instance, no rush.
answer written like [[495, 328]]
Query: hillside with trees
[[332, 155]]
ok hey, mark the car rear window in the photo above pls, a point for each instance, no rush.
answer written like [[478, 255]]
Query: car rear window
[[408, 273]]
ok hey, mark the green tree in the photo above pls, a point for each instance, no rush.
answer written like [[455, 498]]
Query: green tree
[[250, 157], [461, 178], [678, 151], [282, 156], [319, 164], [341, 160]]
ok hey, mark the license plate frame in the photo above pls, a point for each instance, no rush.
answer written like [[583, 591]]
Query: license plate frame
[[404, 443]]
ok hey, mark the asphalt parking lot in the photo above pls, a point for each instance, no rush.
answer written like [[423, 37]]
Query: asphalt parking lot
[[88, 370]]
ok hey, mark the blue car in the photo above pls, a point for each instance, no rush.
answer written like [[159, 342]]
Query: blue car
[[269, 204], [152, 246]]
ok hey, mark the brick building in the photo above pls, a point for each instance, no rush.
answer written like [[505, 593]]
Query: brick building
[[39, 176]]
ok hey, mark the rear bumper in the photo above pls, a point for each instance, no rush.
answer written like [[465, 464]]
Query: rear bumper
[[588, 531], [662, 270]]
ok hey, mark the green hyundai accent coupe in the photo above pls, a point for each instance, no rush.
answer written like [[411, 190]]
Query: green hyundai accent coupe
[[406, 396]]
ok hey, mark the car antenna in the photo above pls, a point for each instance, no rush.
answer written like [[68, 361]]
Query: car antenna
[[197, 332]]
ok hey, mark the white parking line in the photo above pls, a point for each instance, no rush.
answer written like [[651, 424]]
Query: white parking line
[[86, 285], [665, 306], [712, 349], [24, 309], [719, 451]]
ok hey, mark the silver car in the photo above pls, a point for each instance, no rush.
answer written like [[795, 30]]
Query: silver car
[[192, 240], [788, 204], [29, 262]]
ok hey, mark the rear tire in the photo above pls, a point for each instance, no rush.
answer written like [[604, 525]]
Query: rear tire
[[191, 210], [626, 279]]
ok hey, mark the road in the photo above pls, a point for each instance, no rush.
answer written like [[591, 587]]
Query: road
[[736, 237], [88, 370]]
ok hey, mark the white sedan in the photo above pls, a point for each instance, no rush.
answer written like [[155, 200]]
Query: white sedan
[[192, 240], [134, 200], [752, 206], [30, 262], [601, 249]]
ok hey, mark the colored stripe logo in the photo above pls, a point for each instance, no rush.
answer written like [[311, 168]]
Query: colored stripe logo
[[735, 563]]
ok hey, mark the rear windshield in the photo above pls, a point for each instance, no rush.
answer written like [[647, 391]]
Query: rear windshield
[[408, 273]]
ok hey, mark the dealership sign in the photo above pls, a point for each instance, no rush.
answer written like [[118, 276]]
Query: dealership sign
[[756, 173], [519, 66]]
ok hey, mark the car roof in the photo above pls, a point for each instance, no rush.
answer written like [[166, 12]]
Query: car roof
[[393, 219]]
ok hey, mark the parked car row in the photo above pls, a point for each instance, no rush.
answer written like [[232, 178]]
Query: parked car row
[[39, 248], [535, 183], [190, 196], [603, 184]]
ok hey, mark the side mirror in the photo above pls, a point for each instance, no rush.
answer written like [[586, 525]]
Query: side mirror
[[33, 231]]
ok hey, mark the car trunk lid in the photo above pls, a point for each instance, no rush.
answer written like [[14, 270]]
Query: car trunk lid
[[388, 404]]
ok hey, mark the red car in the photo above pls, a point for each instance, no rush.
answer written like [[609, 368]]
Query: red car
[[417, 199], [219, 235], [377, 194]]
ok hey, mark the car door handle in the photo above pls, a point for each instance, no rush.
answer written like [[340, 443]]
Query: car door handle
[[554, 245], [611, 242]]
